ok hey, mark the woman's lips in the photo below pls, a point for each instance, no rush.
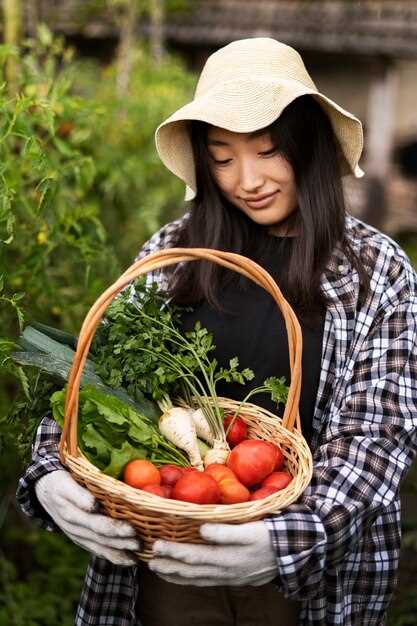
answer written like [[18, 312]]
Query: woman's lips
[[260, 204]]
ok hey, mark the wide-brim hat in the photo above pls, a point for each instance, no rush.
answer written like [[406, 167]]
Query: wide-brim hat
[[244, 87]]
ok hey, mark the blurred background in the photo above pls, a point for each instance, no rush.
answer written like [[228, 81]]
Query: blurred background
[[84, 85]]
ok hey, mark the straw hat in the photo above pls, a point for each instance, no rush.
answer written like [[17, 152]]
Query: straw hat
[[244, 87]]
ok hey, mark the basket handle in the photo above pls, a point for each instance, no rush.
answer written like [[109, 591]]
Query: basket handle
[[158, 260]]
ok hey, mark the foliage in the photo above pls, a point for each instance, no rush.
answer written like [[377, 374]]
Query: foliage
[[44, 186], [76, 165], [36, 569], [137, 193]]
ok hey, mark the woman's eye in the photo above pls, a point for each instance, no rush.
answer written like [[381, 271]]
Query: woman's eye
[[269, 152], [222, 162]]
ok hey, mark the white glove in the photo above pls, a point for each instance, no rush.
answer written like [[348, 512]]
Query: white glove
[[242, 554], [72, 509]]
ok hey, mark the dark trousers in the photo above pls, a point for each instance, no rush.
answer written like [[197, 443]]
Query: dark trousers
[[165, 604]]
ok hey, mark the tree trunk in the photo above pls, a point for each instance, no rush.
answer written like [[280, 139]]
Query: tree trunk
[[127, 26], [157, 11], [12, 12]]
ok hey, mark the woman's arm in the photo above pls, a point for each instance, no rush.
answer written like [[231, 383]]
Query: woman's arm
[[367, 448], [45, 459]]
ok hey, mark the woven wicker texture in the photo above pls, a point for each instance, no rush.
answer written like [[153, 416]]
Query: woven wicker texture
[[156, 517]]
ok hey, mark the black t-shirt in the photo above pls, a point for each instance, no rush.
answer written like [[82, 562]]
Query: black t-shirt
[[253, 329]]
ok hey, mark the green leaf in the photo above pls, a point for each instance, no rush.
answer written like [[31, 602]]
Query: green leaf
[[47, 189], [63, 147], [121, 456], [277, 389], [105, 423], [234, 363], [248, 374], [98, 447], [57, 402]]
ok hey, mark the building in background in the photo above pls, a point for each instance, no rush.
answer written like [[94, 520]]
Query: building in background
[[361, 54]]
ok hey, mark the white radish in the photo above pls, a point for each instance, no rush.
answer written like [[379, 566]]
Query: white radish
[[218, 453], [177, 426], [202, 427]]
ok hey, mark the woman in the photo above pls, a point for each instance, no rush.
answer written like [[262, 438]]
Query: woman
[[262, 153]]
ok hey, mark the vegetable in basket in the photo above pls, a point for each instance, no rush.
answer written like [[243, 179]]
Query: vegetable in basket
[[191, 485], [51, 351], [141, 348], [111, 433]]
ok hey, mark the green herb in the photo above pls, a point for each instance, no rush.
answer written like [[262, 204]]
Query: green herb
[[142, 349]]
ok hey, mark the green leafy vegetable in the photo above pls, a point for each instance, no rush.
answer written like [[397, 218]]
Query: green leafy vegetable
[[111, 433]]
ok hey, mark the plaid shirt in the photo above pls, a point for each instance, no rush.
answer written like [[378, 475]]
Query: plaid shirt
[[337, 548]]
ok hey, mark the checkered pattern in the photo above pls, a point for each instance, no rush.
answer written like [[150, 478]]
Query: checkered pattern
[[337, 549]]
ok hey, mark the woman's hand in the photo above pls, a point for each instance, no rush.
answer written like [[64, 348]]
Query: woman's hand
[[73, 507], [240, 555]]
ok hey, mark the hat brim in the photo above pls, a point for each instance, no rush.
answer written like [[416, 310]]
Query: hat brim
[[259, 104]]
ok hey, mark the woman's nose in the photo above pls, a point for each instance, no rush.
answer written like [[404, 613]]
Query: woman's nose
[[251, 178]]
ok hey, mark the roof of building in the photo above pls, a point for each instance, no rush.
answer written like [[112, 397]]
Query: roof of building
[[372, 27]]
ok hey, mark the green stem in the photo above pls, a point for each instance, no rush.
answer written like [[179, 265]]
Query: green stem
[[165, 403], [253, 392], [179, 369]]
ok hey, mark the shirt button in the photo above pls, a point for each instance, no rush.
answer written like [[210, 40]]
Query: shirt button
[[341, 268]]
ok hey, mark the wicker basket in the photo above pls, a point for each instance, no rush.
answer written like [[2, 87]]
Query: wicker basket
[[174, 520]]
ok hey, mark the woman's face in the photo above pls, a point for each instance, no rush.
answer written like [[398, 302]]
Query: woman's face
[[252, 175]]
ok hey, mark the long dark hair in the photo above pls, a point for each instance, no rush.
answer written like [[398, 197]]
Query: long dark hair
[[305, 138]]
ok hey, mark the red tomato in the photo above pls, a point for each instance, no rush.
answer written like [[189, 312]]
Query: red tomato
[[252, 460], [219, 471], [279, 480], [196, 487], [237, 433], [155, 488], [141, 472], [232, 491], [261, 493], [279, 462], [187, 470], [170, 474]]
